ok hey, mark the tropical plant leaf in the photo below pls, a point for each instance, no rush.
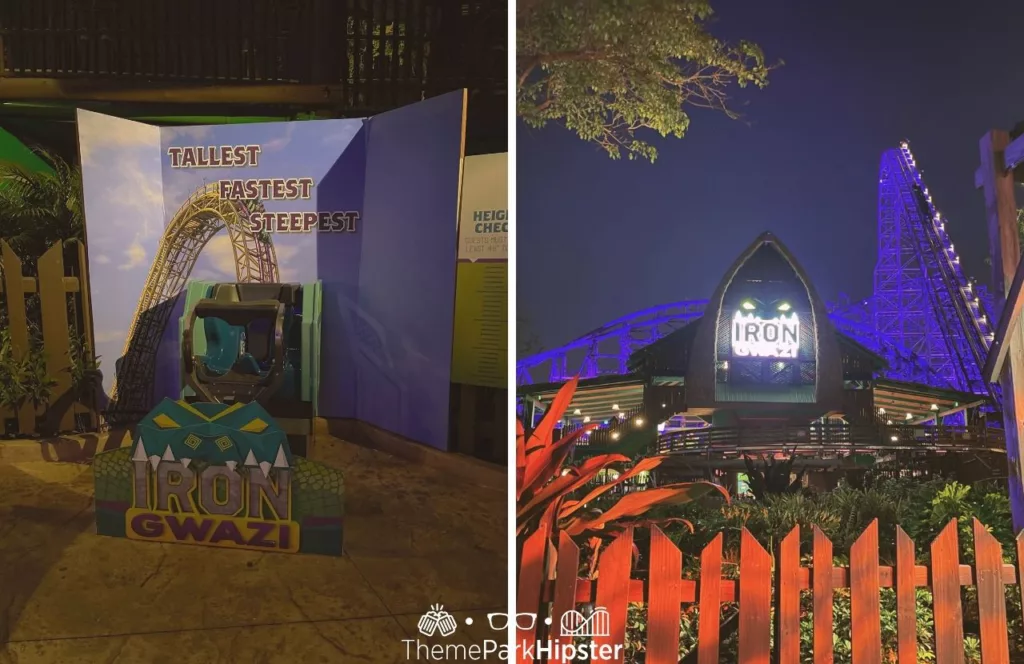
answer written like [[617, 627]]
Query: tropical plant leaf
[[541, 436], [545, 462], [639, 502], [615, 529], [565, 484], [644, 464]]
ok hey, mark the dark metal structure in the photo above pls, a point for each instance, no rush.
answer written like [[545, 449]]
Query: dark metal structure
[[929, 321], [169, 61]]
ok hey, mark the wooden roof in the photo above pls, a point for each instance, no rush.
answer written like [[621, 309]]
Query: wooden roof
[[895, 400]]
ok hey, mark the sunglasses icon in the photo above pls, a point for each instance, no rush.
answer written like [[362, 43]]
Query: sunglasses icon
[[499, 621]]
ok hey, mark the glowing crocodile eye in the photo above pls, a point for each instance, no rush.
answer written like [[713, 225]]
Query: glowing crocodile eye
[[748, 305], [784, 306]]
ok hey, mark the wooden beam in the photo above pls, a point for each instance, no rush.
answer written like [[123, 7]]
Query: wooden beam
[[1004, 249], [1013, 157], [28, 285], [945, 413], [1012, 311], [35, 89]]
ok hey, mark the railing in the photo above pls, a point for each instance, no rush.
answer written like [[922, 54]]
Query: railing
[[382, 53], [829, 439], [611, 433], [549, 588]]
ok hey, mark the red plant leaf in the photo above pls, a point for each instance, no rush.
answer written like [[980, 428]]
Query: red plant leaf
[[566, 484], [639, 467], [541, 436], [639, 502], [647, 523], [520, 446], [544, 462]]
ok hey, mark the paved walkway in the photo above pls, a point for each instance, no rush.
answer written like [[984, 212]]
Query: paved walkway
[[416, 535]]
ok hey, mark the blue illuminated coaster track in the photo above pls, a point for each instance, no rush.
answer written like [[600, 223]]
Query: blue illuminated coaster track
[[922, 299], [606, 350], [931, 324]]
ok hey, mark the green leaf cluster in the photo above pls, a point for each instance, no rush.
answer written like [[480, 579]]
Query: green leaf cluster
[[607, 69], [23, 376], [40, 208]]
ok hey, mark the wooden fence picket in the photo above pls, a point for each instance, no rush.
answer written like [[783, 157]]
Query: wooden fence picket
[[14, 292], [865, 598], [531, 580], [949, 625], [787, 599], [824, 594], [613, 594], [565, 587], [709, 622], [755, 601], [988, 565], [906, 599], [665, 591], [663, 607]]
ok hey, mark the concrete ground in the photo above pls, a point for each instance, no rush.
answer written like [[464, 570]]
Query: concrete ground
[[417, 534]]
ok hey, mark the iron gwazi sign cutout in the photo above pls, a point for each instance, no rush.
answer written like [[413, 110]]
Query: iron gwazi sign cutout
[[218, 475], [755, 336]]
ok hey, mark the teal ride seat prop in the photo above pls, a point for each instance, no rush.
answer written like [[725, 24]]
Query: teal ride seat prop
[[222, 344], [253, 342]]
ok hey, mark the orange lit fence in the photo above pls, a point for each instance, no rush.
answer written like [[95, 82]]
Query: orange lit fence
[[770, 588], [63, 311]]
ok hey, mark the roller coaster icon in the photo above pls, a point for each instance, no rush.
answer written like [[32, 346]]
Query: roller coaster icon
[[574, 623]]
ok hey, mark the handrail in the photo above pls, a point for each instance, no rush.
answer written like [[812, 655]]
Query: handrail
[[829, 438], [606, 435]]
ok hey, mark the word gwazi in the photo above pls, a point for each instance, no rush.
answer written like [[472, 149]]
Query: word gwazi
[[220, 505], [263, 189], [753, 336]]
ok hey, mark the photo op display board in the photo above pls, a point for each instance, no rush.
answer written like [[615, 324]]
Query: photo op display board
[[363, 205], [218, 475], [388, 311], [480, 354]]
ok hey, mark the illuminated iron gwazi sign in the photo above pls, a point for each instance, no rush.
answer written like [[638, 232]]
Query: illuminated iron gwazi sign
[[753, 336]]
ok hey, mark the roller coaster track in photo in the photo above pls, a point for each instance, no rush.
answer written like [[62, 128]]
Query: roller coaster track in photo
[[201, 217]]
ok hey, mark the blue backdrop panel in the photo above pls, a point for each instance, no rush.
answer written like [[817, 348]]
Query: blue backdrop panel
[[337, 259], [407, 268]]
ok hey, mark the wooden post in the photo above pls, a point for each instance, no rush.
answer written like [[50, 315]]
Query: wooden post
[[14, 288], [53, 302], [1004, 249], [90, 339]]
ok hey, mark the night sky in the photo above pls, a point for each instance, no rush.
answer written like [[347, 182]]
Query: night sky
[[598, 239]]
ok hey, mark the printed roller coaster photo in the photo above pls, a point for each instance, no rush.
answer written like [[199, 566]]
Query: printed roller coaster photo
[[931, 323], [251, 340]]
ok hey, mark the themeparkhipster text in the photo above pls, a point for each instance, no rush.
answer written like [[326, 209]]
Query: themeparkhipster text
[[263, 189]]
